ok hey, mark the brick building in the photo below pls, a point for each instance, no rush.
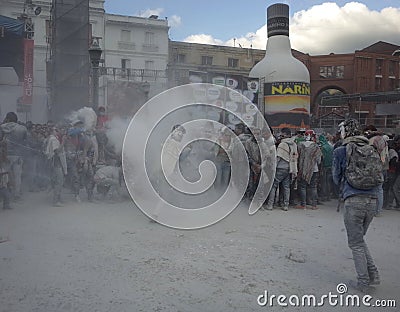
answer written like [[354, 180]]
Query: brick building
[[361, 84], [364, 84]]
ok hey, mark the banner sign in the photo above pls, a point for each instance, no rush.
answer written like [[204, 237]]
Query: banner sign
[[28, 72], [240, 85], [287, 104]]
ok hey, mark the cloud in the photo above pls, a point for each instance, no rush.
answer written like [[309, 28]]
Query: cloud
[[149, 12], [205, 39], [174, 21], [327, 28]]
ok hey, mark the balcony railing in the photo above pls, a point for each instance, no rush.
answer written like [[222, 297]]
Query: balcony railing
[[126, 45], [150, 48], [378, 122], [133, 74]]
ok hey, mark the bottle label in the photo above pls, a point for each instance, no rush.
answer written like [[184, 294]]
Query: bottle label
[[278, 26], [287, 104]]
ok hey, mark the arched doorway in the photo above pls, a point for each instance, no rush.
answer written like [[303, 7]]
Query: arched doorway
[[330, 107]]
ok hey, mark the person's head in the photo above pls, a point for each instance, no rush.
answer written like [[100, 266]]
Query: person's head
[[285, 133], [349, 127], [225, 133], [396, 141], [370, 128], [177, 132], [256, 133], [310, 135], [239, 129], [101, 111], [78, 125], [301, 132], [11, 117], [29, 125]]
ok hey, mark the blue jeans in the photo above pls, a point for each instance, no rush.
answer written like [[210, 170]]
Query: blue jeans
[[5, 195], [358, 214], [224, 173], [313, 190], [326, 183], [379, 202], [281, 176]]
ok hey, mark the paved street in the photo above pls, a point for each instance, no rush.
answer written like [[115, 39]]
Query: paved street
[[109, 257]]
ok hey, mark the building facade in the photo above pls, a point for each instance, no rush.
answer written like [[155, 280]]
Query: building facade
[[364, 84], [134, 59], [139, 61], [336, 79]]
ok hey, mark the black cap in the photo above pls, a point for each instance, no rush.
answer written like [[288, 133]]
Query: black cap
[[278, 19]]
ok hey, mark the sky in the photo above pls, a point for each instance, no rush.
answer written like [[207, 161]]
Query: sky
[[316, 27]]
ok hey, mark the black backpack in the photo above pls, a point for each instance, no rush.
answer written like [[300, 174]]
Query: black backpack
[[364, 168]]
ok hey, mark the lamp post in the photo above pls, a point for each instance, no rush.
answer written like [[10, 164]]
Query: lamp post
[[95, 55]]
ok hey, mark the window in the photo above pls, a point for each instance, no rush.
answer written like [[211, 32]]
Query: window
[[181, 58], [378, 67], [232, 62], [206, 60], [330, 72], [149, 38], [392, 68], [125, 35], [125, 63], [49, 32], [149, 65], [90, 33], [378, 83], [340, 71], [392, 84]]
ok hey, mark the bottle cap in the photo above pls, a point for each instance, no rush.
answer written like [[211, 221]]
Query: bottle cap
[[278, 19]]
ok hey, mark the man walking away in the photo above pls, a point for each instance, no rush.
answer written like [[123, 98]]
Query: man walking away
[[359, 202], [16, 136]]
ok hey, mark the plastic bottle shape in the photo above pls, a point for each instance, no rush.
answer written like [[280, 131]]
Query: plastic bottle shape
[[286, 80]]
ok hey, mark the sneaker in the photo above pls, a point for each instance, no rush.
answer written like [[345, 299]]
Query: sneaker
[[300, 207], [374, 278], [378, 214], [314, 207], [268, 207], [285, 208], [77, 198], [57, 204], [364, 289]]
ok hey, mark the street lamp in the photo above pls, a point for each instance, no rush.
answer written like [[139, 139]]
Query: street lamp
[[95, 55]]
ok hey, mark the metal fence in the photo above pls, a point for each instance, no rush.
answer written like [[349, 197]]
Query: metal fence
[[379, 122], [131, 74]]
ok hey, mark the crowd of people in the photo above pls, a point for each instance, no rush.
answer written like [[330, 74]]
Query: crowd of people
[[304, 175], [359, 167], [52, 157], [73, 156]]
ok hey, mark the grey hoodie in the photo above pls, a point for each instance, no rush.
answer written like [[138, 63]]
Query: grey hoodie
[[16, 135]]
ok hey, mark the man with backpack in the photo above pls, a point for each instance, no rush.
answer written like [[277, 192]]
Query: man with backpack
[[357, 166]]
